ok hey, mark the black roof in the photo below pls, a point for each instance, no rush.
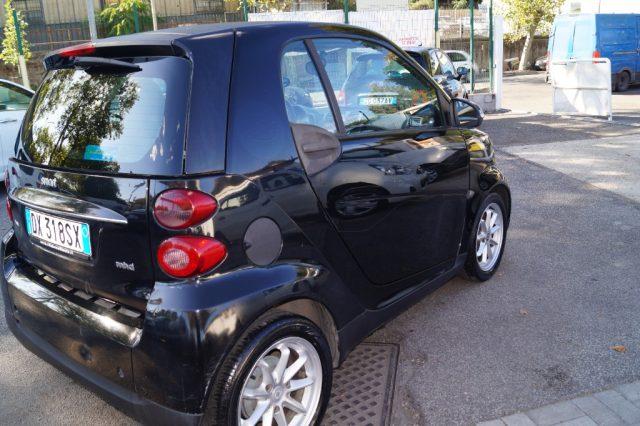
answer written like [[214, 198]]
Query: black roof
[[169, 35], [419, 48]]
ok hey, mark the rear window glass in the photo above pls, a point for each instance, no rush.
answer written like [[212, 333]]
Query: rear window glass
[[456, 57], [111, 121]]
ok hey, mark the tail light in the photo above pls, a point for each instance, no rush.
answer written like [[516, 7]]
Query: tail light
[[84, 49], [183, 208], [7, 184], [596, 54], [189, 255]]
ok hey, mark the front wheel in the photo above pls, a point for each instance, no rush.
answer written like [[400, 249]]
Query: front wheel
[[278, 374], [487, 240]]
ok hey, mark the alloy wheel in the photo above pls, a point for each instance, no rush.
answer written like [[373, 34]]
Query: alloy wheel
[[284, 385], [489, 237]]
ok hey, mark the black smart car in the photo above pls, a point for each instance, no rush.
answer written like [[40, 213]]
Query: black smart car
[[205, 223]]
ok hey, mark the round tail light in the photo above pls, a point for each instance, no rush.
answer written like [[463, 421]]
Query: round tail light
[[188, 255], [183, 208]]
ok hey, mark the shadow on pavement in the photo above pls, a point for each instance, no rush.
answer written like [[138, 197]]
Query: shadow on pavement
[[524, 129]]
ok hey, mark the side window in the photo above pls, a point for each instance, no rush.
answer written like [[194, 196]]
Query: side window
[[304, 96], [445, 63], [13, 100], [375, 89], [435, 63]]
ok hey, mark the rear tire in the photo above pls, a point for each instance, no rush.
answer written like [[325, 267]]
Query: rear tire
[[245, 387], [487, 239], [623, 81]]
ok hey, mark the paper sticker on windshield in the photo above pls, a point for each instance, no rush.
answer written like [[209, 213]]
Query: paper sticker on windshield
[[96, 153]]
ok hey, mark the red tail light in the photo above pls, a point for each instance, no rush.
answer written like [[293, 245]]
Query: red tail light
[[183, 208], [188, 255], [84, 49], [596, 54]]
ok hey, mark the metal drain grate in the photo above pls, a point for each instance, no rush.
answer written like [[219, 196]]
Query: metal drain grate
[[362, 391]]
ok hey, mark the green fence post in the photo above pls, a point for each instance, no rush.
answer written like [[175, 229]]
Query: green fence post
[[436, 16], [136, 19], [21, 61], [245, 10], [472, 45], [491, 59], [345, 6]]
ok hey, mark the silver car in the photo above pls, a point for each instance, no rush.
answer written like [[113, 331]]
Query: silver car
[[14, 101]]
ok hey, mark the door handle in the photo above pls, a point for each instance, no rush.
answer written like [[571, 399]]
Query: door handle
[[10, 120], [317, 147]]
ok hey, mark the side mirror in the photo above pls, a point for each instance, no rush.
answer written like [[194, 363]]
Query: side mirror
[[469, 114], [463, 73]]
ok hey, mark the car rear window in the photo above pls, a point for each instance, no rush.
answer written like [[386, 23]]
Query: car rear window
[[114, 121], [456, 56]]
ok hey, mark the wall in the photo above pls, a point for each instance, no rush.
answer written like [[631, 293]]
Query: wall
[[63, 11], [514, 49]]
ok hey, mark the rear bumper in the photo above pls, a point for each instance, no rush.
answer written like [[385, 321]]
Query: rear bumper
[[82, 346]]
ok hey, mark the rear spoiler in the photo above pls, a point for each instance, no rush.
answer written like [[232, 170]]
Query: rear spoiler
[[67, 57]]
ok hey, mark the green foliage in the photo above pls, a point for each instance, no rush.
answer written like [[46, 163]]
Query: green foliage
[[118, 18], [9, 52], [266, 5], [420, 4], [527, 16]]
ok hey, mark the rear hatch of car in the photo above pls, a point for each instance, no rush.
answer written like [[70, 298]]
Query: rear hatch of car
[[98, 130]]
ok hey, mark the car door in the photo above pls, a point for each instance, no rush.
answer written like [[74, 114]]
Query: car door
[[14, 102], [396, 182]]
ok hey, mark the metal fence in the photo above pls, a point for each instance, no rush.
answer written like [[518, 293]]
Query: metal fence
[[57, 23]]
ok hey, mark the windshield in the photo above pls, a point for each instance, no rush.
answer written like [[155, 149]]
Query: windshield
[[110, 121]]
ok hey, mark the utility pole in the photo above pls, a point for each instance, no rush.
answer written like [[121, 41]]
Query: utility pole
[[491, 53], [472, 45], [345, 7], [22, 64], [245, 10], [136, 19], [91, 15], [436, 25], [154, 17]]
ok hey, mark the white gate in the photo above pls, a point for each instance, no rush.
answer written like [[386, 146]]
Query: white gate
[[582, 87]]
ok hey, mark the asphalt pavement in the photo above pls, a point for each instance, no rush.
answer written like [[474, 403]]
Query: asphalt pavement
[[542, 330]]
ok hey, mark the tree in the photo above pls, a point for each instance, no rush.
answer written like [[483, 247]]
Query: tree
[[118, 17], [526, 17], [9, 52]]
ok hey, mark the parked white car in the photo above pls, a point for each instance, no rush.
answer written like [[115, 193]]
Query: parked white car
[[14, 101], [460, 58]]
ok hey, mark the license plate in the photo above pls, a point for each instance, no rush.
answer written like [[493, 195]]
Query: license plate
[[378, 100], [62, 234]]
